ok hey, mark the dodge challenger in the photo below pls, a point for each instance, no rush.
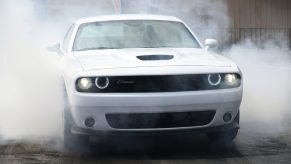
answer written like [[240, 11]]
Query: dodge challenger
[[145, 75]]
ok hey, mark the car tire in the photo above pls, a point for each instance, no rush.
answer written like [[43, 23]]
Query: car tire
[[225, 136], [72, 143]]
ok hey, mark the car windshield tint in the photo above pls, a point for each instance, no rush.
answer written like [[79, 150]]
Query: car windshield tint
[[133, 34]]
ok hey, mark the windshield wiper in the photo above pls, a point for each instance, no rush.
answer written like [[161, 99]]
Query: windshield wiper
[[96, 48], [163, 46]]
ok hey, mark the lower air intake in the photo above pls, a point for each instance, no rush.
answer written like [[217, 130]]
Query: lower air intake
[[159, 120]]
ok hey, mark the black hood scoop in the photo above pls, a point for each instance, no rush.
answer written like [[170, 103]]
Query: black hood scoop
[[155, 57]]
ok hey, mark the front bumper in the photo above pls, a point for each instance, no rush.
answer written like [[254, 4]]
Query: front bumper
[[230, 126], [84, 105]]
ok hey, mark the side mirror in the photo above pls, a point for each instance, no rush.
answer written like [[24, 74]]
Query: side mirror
[[54, 48], [211, 44]]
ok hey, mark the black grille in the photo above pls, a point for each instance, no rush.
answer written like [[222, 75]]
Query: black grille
[[163, 83], [159, 120], [155, 83]]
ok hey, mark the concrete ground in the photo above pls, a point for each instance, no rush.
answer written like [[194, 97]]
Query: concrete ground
[[248, 147]]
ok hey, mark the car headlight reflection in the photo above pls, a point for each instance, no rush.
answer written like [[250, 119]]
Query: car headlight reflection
[[84, 84]]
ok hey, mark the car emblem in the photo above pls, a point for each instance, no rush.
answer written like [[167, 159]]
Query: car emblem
[[125, 82]]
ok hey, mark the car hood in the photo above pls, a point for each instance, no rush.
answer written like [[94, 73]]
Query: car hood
[[129, 58]]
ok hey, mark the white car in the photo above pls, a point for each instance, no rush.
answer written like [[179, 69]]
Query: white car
[[145, 75]]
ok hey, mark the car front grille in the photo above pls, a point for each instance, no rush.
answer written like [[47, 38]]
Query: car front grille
[[160, 120], [155, 83], [162, 83]]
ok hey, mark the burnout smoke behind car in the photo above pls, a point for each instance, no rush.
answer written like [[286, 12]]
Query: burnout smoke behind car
[[31, 90], [266, 105], [30, 104]]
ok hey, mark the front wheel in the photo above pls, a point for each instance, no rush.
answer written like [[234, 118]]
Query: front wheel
[[72, 143], [224, 136]]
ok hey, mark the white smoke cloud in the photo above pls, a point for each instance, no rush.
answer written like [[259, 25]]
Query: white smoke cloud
[[266, 70], [31, 98], [30, 101]]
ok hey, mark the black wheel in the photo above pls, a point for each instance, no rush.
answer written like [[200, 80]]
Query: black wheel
[[72, 143], [224, 136]]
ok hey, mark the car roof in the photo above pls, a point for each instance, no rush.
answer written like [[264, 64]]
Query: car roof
[[127, 17]]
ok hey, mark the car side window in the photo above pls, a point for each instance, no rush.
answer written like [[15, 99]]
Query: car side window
[[66, 41]]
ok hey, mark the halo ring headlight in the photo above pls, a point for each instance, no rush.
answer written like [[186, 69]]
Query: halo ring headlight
[[102, 82], [214, 79]]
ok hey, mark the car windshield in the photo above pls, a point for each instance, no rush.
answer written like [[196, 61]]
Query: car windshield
[[133, 34]]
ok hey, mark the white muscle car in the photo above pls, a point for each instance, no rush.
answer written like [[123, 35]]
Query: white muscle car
[[145, 74]]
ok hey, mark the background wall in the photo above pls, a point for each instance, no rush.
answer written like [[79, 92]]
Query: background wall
[[259, 20]]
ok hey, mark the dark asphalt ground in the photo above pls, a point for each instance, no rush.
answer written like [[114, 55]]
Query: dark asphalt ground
[[250, 146]]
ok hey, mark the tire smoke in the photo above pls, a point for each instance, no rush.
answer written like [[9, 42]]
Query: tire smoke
[[266, 70], [31, 91]]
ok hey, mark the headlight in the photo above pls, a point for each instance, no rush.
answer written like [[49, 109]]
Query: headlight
[[231, 79], [84, 83], [102, 82], [214, 79]]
